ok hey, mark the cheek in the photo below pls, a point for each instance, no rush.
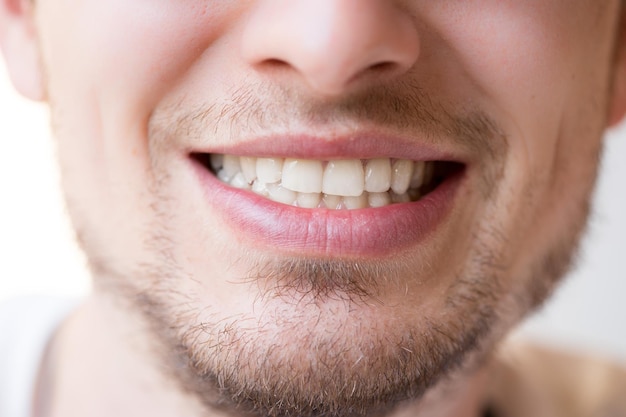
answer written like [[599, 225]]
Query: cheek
[[103, 85], [128, 53], [529, 62], [541, 69]]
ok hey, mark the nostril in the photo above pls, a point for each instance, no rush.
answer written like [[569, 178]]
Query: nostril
[[275, 63], [378, 71], [387, 66]]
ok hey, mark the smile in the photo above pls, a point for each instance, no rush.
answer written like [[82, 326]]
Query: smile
[[342, 184], [330, 198]]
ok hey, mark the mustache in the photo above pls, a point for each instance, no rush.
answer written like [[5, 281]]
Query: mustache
[[250, 110]]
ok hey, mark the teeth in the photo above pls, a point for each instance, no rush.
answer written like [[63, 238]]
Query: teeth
[[344, 177], [400, 198], [248, 167], [379, 199], [304, 176], [230, 166], [281, 195], [402, 170], [417, 179], [337, 184], [269, 170], [217, 161], [239, 181], [223, 176], [309, 200], [377, 175], [260, 188], [353, 203], [332, 202]]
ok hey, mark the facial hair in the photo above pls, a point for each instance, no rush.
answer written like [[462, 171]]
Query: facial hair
[[318, 348]]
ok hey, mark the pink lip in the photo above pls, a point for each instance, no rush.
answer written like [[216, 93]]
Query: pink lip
[[328, 233], [361, 145]]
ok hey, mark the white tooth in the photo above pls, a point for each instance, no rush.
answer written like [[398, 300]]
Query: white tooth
[[332, 202], [230, 166], [353, 203], [378, 175], [217, 161], [309, 200], [281, 195], [260, 188], [221, 174], [400, 198], [269, 170], [248, 167], [378, 199], [303, 175], [239, 181], [344, 178], [417, 179], [402, 171]]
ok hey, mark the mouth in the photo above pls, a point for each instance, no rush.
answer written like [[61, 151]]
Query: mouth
[[336, 184], [339, 198]]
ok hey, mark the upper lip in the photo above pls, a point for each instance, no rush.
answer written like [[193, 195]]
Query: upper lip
[[358, 145]]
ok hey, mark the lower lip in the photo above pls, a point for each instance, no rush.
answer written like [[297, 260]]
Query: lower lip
[[328, 233]]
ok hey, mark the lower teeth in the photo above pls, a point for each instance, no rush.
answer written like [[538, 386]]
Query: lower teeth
[[282, 195]]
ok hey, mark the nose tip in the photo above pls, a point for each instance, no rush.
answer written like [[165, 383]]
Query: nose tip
[[332, 45]]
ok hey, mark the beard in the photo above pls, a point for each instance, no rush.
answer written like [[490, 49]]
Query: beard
[[323, 341], [328, 349], [314, 350], [326, 338]]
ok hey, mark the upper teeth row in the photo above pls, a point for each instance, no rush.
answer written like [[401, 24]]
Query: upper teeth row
[[343, 178]]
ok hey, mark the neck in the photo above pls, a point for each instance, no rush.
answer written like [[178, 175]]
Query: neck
[[102, 363]]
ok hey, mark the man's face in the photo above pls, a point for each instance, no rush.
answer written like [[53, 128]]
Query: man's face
[[327, 286]]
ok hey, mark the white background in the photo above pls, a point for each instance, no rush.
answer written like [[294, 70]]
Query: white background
[[38, 254]]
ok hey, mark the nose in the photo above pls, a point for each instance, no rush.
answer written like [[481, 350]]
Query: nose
[[332, 45]]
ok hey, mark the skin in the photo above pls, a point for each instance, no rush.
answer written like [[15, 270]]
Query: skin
[[186, 302]]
